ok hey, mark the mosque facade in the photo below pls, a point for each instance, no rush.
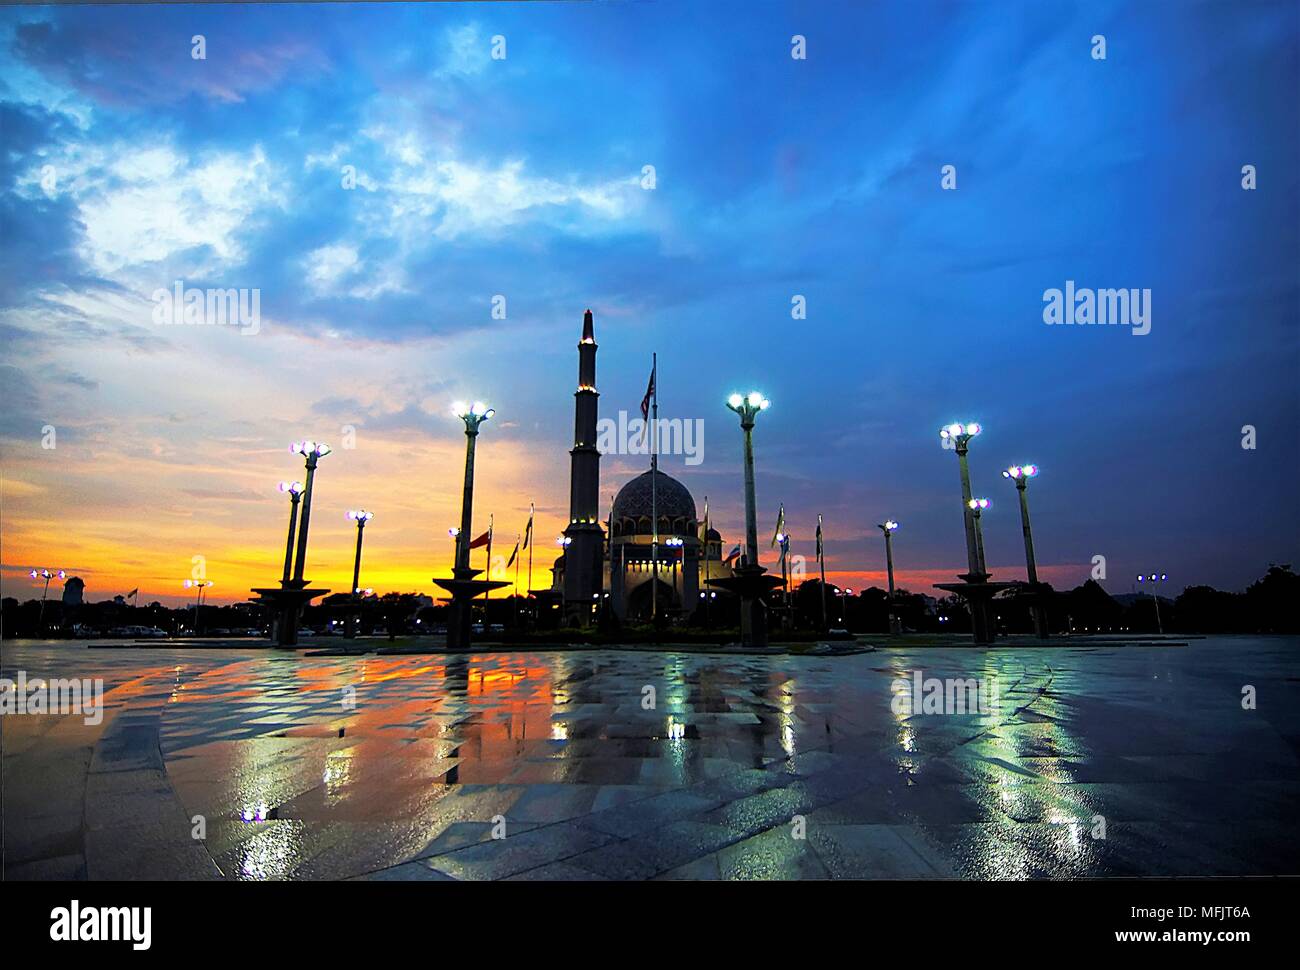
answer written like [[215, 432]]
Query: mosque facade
[[616, 564]]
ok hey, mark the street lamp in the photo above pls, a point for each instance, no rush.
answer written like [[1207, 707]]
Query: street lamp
[[473, 415], [47, 575], [199, 585], [977, 506], [1021, 474], [960, 435], [674, 543], [748, 580], [888, 527], [748, 407], [463, 586], [294, 491], [845, 592], [286, 602], [313, 452], [783, 543], [361, 517], [975, 588], [1152, 579]]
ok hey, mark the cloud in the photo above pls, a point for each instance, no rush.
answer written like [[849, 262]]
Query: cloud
[[128, 62], [154, 204]]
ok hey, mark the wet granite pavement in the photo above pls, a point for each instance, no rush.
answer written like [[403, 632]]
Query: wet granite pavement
[[243, 764]]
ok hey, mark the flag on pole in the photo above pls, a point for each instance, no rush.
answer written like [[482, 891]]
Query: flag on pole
[[819, 538], [528, 532], [510, 562], [482, 540], [780, 526], [731, 556], [134, 592], [649, 396]]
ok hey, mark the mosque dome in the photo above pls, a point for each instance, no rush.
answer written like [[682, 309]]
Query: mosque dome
[[674, 504]]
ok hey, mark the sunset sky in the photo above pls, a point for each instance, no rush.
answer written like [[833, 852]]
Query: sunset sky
[[129, 165]]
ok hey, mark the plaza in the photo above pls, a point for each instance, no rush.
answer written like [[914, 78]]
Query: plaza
[[1099, 761]]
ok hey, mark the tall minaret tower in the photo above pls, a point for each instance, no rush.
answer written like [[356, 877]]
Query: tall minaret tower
[[584, 554]]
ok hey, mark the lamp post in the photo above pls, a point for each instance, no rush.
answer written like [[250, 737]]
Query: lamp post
[[313, 452], [285, 602], [199, 585], [474, 415], [748, 407], [975, 587], [294, 491], [888, 527], [1154, 578], [463, 586], [361, 517], [748, 580], [1021, 474], [960, 435], [47, 575], [845, 593], [783, 543], [977, 506], [675, 543]]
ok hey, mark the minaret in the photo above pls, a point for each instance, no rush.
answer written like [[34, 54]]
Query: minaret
[[584, 555]]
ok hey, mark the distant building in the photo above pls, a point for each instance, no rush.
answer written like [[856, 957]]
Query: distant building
[[73, 591], [619, 562]]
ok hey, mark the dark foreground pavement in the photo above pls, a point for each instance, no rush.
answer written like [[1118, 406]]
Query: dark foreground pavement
[[237, 764]]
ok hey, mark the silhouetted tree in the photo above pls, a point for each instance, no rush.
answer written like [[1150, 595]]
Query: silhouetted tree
[[1271, 601]]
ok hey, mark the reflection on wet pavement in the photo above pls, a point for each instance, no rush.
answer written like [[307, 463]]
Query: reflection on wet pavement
[[252, 765]]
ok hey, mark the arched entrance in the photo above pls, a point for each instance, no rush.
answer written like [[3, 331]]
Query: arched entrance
[[639, 600]]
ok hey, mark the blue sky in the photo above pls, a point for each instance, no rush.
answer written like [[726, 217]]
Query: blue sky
[[774, 177]]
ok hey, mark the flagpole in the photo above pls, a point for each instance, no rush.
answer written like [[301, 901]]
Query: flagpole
[[785, 574], [821, 561], [517, 538], [530, 555], [654, 488], [487, 595], [707, 624], [608, 591]]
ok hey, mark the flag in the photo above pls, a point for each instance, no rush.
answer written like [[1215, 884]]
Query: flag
[[645, 401], [649, 393], [780, 525], [482, 540], [134, 592], [528, 532], [819, 538], [705, 536], [511, 560], [731, 555]]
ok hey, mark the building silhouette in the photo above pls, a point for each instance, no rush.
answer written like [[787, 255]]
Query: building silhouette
[[615, 567]]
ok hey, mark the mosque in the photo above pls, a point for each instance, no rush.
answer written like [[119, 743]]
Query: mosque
[[615, 567]]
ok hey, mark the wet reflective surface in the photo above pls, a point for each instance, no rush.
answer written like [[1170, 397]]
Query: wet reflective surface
[[1098, 761]]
